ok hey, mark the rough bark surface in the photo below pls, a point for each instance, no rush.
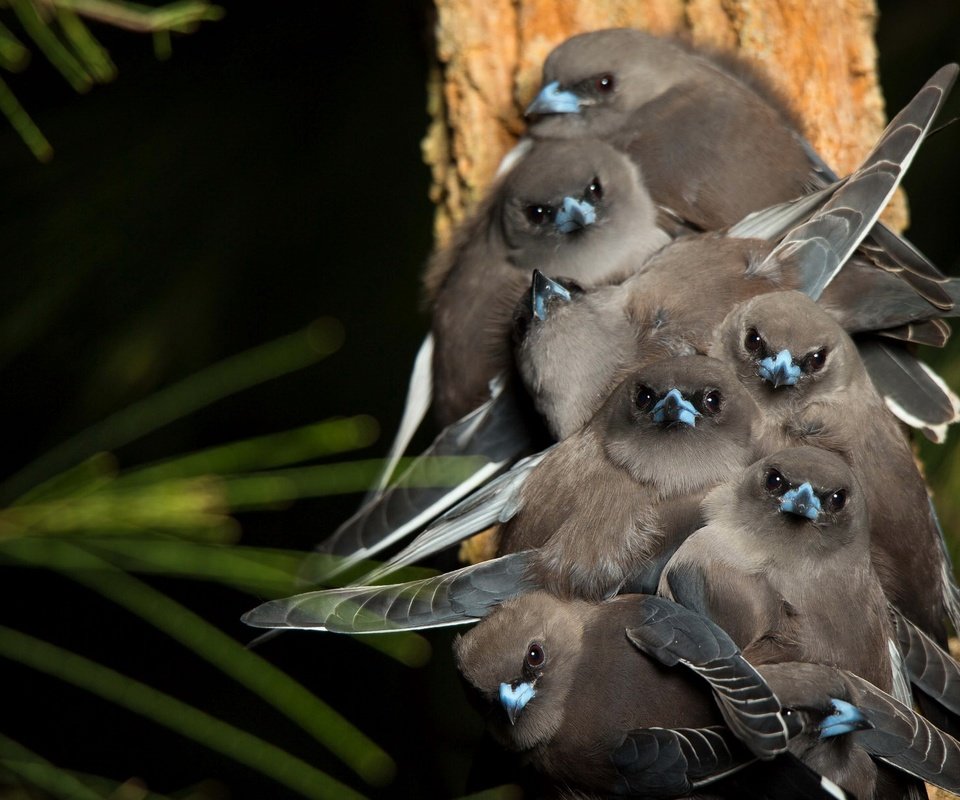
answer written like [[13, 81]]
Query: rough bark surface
[[819, 53]]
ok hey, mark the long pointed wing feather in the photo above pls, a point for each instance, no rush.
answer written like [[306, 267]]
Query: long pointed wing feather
[[419, 397], [673, 634], [931, 669], [906, 740], [455, 598], [490, 505], [823, 244], [495, 434], [912, 391]]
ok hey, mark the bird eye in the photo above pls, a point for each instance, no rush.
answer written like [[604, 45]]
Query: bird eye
[[712, 401], [535, 656], [595, 189], [775, 483], [605, 83], [837, 500], [644, 397], [814, 362], [540, 215], [753, 341]]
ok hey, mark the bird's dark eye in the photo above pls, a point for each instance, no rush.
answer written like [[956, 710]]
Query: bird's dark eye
[[753, 341], [540, 215], [837, 500], [644, 397], [605, 83], [595, 190], [712, 401], [775, 483], [535, 656], [814, 362]]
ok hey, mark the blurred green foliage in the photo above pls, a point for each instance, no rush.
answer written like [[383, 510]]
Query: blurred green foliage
[[58, 30]]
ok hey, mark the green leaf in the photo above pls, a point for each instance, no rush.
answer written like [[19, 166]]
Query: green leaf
[[165, 710], [39, 772], [58, 55], [263, 452], [258, 365], [208, 642], [95, 57], [23, 125]]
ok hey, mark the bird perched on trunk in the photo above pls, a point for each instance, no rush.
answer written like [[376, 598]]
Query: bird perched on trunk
[[712, 137], [576, 208], [563, 685], [811, 387], [608, 505], [783, 557], [677, 298], [670, 306]]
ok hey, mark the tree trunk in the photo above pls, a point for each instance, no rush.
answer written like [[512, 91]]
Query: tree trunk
[[819, 53]]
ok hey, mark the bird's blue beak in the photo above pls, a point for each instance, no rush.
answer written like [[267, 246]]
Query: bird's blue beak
[[514, 696], [574, 215], [554, 100], [674, 407], [780, 369], [541, 291], [801, 501], [845, 718]]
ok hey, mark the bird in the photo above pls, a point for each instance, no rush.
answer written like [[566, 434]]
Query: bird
[[577, 209], [573, 208], [797, 245], [811, 388], [608, 505], [783, 557], [820, 705], [673, 301], [562, 684], [882, 729], [714, 139]]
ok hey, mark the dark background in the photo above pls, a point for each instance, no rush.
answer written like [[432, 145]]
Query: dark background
[[268, 174]]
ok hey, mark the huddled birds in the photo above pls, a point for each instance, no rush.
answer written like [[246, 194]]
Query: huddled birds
[[681, 354]]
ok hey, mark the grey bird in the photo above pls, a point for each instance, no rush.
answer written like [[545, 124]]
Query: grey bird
[[825, 709], [562, 684], [889, 732], [573, 359], [607, 506], [713, 138], [783, 557], [811, 387], [674, 300], [577, 209]]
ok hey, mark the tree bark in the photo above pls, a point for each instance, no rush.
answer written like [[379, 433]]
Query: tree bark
[[818, 53]]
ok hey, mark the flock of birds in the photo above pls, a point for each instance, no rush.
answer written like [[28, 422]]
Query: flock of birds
[[680, 354]]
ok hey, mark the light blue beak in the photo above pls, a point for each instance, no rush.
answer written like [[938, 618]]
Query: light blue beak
[[780, 370], [553, 100], [674, 407], [541, 291], [801, 501], [574, 215], [846, 718], [514, 697]]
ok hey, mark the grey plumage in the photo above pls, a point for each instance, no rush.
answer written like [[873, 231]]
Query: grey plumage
[[674, 301], [784, 555], [455, 598], [608, 505], [585, 690], [893, 733], [488, 440], [833, 405], [712, 137], [473, 284]]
